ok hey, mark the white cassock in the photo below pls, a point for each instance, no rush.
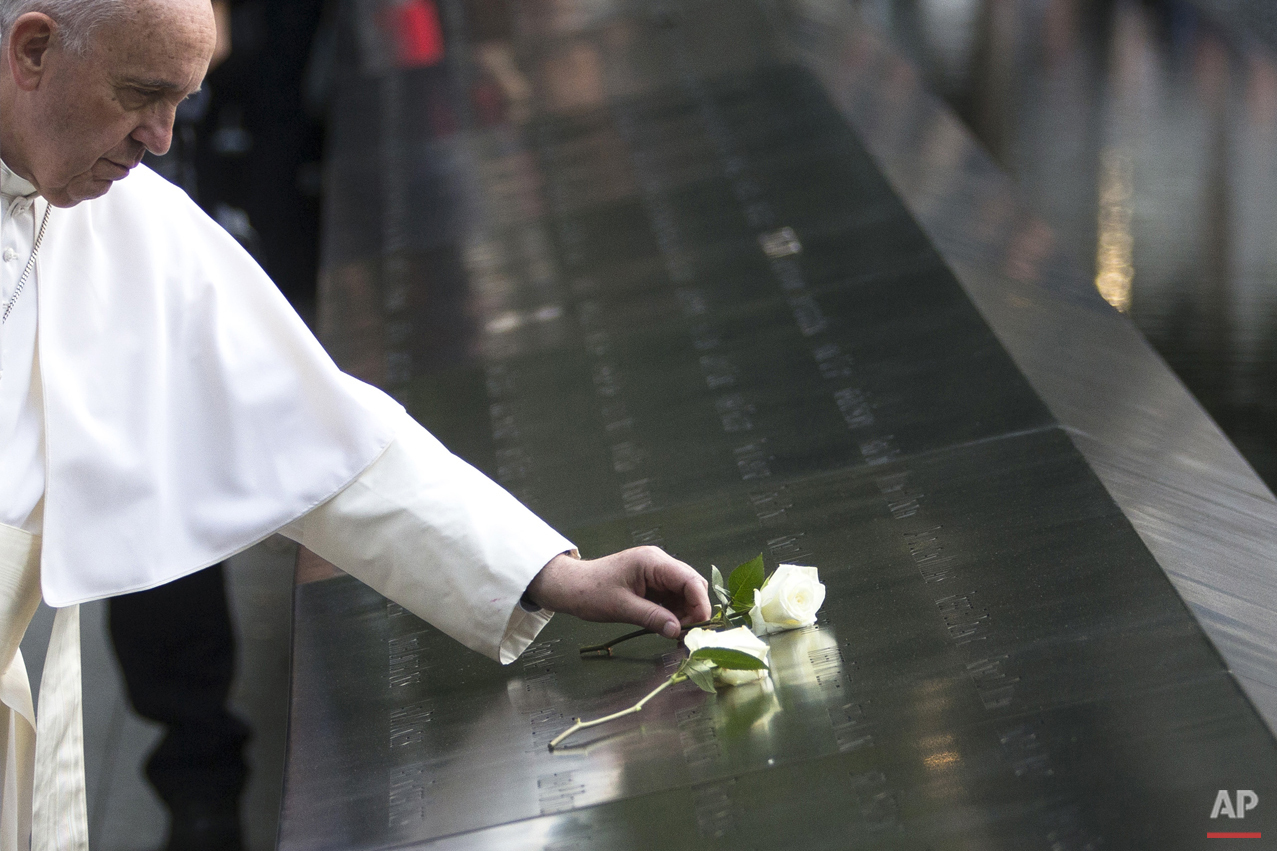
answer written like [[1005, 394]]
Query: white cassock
[[162, 408]]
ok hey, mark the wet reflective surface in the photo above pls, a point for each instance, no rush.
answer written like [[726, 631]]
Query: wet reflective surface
[[650, 278], [1143, 133]]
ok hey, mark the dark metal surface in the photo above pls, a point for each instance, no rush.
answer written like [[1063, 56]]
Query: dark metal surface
[[1208, 519], [682, 305]]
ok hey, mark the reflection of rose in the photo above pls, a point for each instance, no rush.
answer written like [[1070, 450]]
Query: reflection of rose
[[789, 599], [802, 658], [740, 639], [746, 712]]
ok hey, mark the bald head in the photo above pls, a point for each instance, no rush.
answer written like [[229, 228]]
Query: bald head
[[79, 115]]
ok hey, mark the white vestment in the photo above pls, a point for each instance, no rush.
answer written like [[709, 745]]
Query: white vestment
[[162, 407]]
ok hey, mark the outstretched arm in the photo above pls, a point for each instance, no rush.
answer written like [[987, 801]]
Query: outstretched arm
[[438, 537], [643, 586]]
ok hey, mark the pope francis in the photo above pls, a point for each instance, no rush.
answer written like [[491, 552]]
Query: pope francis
[[161, 407]]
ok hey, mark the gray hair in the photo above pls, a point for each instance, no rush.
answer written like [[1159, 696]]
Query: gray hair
[[76, 19]]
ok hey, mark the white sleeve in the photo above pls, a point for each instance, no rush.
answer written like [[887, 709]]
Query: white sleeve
[[439, 538]]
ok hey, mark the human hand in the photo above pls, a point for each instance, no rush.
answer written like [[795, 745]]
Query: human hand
[[644, 586]]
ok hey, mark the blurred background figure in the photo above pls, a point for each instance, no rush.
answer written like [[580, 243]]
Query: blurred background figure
[[176, 649], [248, 147], [1143, 132]]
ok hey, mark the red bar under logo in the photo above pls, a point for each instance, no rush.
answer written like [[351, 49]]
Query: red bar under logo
[[1233, 836]]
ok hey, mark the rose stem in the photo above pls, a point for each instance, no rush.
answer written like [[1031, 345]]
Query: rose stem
[[677, 677], [606, 647]]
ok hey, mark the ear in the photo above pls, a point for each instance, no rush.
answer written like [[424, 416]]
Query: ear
[[28, 48]]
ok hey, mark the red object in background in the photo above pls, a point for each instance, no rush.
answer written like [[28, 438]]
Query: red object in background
[[416, 32]]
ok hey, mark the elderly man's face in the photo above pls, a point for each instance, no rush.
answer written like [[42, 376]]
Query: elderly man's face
[[79, 122]]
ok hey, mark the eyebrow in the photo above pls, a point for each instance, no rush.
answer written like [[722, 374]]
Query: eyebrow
[[153, 83]]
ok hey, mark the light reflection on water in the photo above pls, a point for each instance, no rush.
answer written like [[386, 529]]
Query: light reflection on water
[[1146, 135]]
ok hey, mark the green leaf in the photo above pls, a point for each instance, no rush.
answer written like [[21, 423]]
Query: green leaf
[[745, 579], [717, 583], [702, 673], [723, 657]]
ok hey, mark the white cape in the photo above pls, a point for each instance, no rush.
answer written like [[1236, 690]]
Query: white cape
[[189, 412]]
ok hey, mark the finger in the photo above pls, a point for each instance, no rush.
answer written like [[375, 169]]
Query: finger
[[694, 605], [698, 605], [685, 591], [673, 575], [632, 608], [696, 596]]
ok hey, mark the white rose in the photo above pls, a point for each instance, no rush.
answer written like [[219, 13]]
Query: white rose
[[737, 677], [740, 639], [789, 599]]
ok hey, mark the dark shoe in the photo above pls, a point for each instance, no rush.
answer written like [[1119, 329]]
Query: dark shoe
[[204, 827]]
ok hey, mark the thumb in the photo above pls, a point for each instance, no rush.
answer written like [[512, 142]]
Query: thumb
[[640, 612]]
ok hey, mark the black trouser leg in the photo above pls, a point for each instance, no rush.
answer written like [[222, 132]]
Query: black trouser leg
[[177, 651]]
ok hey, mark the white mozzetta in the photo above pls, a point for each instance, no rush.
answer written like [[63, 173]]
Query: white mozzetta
[[188, 411], [166, 407], [439, 538]]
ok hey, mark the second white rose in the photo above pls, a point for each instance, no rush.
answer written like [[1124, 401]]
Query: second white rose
[[789, 599], [730, 639]]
